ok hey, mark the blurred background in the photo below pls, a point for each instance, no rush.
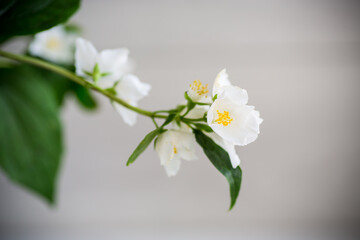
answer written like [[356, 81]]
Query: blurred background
[[300, 63]]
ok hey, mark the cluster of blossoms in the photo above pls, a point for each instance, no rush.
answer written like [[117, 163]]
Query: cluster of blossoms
[[230, 121]]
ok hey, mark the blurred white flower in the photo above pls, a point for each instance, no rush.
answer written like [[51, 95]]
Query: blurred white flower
[[104, 68], [198, 92], [110, 69], [130, 89], [229, 116], [172, 146], [55, 45]]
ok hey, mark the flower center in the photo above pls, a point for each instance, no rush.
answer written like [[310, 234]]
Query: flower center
[[175, 150], [224, 118], [197, 87], [53, 43]]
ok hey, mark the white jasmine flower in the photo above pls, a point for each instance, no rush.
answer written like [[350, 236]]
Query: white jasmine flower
[[198, 92], [104, 68], [130, 89], [172, 146], [229, 116], [55, 45], [198, 112]]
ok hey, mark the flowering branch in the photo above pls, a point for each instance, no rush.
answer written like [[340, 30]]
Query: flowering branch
[[31, 139], [71, 76], [217, 122]]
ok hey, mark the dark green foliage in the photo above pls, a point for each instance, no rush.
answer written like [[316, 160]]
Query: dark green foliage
[[61, 86], [25, 17], [221, 160], [30, 131]]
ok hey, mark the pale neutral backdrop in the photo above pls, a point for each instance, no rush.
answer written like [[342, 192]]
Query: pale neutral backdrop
[[299, 61]]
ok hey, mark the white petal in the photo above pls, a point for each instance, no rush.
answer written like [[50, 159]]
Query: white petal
[[172, 146], [128, 116], [113, 62], [85, 57], [164, 147], [221, 80], [172, 167], [185, 143], [130, 88], [234, 158], [105, 83], [235, 93], [55, 45], [228, 147], [199, 92], [197, 112], [244, 127]]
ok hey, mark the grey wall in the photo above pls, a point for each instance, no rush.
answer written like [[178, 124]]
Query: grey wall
[[299, 61]]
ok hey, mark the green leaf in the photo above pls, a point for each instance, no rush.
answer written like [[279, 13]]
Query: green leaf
[[73, 28], [111, 91], [221, 160], [30, 131], [169, 119], [84, 96], [203, 127], [144, 144], [187, 97], [24, 17], [61, 86]]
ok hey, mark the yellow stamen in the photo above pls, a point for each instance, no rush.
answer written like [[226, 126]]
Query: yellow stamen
[[53, 43], [199, 88], [175, 150], [224, 118]]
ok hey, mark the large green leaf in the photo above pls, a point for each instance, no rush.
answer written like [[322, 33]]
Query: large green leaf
[[24, 17], [221, 160], [61, 86], [30, 131]]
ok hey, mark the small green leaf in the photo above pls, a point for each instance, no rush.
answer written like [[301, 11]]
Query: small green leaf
[[144, 144], [190, 106], [73, 28], [203, 127], [84, 96], [30, 131], [221, 160], [190, 103], [186, 95], [24, 17], [105, 74], [111, 90], [169, 119], [96, 75]]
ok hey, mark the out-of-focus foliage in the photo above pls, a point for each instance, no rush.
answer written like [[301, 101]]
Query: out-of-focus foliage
[[30, 130], [24, 17]]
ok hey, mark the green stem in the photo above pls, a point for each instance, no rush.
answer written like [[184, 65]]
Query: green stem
[[193, 119], [202, 104], [155, 123], [77, 79]]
